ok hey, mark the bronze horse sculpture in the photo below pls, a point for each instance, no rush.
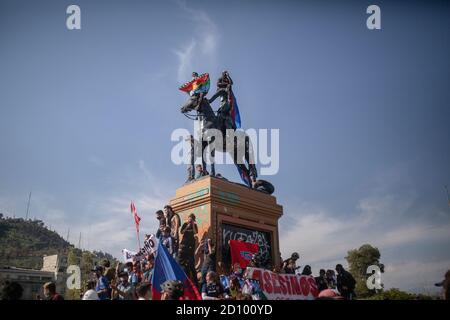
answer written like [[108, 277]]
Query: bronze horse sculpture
[[219, 133]]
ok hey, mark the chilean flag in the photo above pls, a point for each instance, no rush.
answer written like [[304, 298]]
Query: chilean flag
[[241, 252], [166, 268]]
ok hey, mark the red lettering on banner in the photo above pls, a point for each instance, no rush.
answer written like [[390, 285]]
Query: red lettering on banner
[[284, 286], [295, 286], [267, 282], [288, 285], [276, 286], [304, 285], [313, 286], [282, 281]]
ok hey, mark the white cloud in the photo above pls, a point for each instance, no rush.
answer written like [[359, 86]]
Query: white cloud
[[104, 219], [324, 239], [424, 274], [185, 60], [201, 47]]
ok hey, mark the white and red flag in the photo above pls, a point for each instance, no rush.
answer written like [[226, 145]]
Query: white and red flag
[[137, 219]]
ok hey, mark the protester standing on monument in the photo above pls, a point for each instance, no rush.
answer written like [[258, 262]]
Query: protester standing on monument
[[161, 222], [307, 270], [321, 280], [331, 279], [167, 240], [345, 283], [290, 265], [195, 97], [188, 231], [209, 260], [173, 221]]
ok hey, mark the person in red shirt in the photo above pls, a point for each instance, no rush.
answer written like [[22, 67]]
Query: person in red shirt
[[50, 292]]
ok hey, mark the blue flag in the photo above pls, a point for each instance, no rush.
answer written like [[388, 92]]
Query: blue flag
[[166, 268], [235, 115]]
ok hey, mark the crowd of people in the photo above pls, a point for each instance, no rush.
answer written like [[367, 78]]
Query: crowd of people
[[213, 279]]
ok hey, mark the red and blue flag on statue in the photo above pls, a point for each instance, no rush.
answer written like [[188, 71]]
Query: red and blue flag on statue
[[235, 115], [166, 268], [244, 175]]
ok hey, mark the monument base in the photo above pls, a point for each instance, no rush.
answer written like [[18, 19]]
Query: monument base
[[229, 211]]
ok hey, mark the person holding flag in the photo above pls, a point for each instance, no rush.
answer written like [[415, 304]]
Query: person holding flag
[[197, 88], [228, 113]]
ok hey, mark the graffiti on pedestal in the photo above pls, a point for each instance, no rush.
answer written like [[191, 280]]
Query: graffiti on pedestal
[[261, 238]]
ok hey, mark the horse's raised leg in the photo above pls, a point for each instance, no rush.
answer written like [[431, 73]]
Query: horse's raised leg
[[249, 159], [210, 144], [191, 168]]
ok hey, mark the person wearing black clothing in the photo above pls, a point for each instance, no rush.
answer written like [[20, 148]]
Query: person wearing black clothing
[[345, 283], [224, 84], [188, 230], [187, 262], [262, 185], [162, 223], [321, 281], [307, 270], [209, 261], [212, 289], [186, 253]]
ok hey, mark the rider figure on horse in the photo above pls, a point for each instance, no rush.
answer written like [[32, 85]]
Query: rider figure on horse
[[224, 84]]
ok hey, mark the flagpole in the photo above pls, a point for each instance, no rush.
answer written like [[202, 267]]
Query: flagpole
[[136, 222], [139, 239]]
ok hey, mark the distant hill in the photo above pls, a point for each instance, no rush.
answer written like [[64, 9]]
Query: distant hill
[[23, 243]]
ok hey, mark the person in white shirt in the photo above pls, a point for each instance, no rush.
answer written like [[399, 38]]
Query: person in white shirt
[[90, 293]]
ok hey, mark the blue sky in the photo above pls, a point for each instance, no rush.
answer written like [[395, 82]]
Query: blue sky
[[86, 118]]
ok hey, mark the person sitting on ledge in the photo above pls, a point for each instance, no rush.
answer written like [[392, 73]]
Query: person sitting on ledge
[[200, 171], [262, 185], [219, 176]]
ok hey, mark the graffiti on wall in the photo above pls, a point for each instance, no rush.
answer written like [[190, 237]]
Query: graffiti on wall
[[261, 238]]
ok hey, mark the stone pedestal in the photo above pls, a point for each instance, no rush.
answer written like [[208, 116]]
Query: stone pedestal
[[229, 211]]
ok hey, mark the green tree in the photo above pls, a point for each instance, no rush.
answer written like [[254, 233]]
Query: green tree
[[73, 259], [87, 263], [359, 260], [396, 294]]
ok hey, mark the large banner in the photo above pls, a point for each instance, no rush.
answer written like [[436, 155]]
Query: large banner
[[278, 286], [150, 247]]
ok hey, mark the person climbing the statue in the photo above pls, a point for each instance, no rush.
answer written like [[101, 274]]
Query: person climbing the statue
[[195, 96], [224, 84]]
